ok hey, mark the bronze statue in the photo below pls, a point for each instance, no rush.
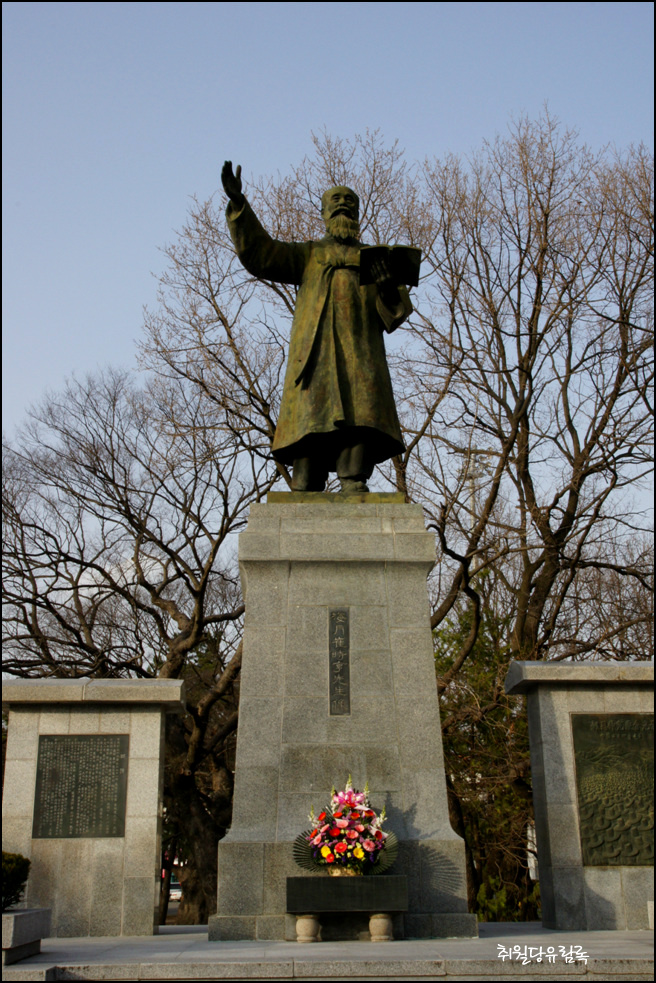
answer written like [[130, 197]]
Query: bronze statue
[[337, 411]]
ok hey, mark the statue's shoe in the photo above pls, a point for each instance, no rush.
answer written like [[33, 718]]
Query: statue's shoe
[[353, 486]]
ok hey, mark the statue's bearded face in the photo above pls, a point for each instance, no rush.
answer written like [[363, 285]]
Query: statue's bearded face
[[340, 210]]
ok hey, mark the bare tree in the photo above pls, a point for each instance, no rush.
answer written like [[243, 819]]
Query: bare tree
[[541, 318]]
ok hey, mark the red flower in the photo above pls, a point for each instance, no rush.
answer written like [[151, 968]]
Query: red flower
[[378, 834], [321, 817], [330, 859], [338, 815], [335, 831], [340, 847]]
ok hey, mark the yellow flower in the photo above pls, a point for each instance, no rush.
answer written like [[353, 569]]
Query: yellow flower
[[358, 853], [325, 850]]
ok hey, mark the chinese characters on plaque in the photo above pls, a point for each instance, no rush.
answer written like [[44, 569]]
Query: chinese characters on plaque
[[338, 648], [81, 786]]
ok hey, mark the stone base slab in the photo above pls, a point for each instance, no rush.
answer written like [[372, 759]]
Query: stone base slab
[[611, 956], [22, 931], [18, 952], [185, 953]]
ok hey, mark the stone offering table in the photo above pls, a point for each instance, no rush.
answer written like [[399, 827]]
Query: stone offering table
[[378, 896], [83, 798], [338, 678], [591, 728]]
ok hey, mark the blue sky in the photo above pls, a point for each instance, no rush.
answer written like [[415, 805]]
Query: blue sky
[[114, 114]]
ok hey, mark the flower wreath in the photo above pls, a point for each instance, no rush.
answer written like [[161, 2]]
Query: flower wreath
[[348, 834]]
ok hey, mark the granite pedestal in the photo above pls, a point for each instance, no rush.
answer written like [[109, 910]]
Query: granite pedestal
[[103, 880], [591, 728], [319, 572]]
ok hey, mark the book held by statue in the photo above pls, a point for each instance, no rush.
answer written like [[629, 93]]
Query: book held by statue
[[403, 263]]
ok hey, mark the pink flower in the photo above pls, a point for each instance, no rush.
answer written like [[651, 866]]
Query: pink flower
[[360, 828], [369, 845], [341, 823], [352, 835]]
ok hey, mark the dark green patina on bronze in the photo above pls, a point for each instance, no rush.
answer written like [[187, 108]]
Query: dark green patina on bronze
[[614, 759], [337, 393], [81, 786]]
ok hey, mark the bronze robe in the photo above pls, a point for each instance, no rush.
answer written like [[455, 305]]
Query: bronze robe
[[337, 375]]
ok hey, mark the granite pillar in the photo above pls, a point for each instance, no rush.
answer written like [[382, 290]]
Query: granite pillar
[[304, 557]]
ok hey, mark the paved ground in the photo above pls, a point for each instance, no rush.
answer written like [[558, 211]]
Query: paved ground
[[172, 913], [186, 954]]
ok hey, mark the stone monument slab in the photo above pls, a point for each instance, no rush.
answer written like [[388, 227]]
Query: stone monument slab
[[591, 730], [83, 798]]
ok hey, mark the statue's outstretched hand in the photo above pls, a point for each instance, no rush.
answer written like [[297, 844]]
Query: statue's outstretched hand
[[232, 183]]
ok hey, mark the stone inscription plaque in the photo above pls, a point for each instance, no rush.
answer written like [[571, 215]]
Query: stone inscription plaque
[[338, 648], [614, 759], [81, 786]]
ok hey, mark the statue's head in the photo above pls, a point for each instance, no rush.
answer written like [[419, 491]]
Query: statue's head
[[340, 209]]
